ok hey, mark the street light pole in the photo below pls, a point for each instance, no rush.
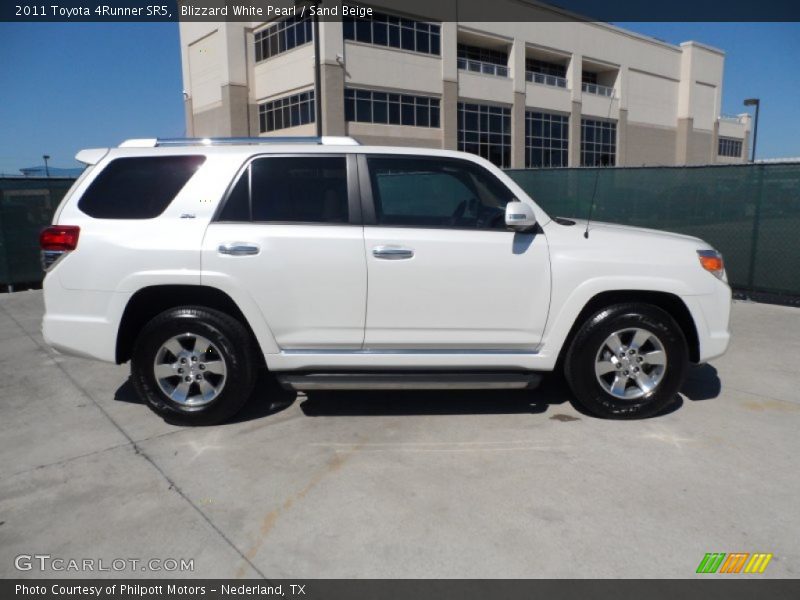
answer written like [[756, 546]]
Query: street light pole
[[757, 103], [317, 67], [46, 157]]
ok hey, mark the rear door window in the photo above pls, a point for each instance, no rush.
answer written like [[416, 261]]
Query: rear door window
[[290, 189], [138, 187], [301, 189]]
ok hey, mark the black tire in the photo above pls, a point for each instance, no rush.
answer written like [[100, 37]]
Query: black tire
[[579, 366], [236, 348]]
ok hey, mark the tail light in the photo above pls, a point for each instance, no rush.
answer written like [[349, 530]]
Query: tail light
[[55, 241]]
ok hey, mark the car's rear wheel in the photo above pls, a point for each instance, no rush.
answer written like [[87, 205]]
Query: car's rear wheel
[[627, 361], [194, 365]]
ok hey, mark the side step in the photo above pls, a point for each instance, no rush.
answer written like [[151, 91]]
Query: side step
[[416, 380]]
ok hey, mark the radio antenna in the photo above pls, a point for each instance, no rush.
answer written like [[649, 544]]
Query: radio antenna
[[591, 206], [597, 175]]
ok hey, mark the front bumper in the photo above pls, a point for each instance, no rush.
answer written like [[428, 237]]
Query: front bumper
[[712, 313]]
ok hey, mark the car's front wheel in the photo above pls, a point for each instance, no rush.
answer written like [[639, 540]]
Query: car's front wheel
[[627, 361], [194, 365]]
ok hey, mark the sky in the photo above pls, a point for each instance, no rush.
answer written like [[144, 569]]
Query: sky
[[67, 86]]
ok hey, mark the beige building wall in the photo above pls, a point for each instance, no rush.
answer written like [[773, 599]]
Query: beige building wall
[[649, 145], [666, 99]]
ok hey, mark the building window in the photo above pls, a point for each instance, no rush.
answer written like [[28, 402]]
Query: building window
[[730, 147], [486, 131], [598, 143], [546, 73], [282, 36], [367, 106], [589, 78], [495, 57], [534, 65], [482, 60], [546, 140], [289, 111], [394, 32]]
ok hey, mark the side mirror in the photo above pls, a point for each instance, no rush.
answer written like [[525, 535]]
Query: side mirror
[[520, 217]]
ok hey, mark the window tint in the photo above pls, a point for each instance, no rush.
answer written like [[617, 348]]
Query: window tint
[[237, 206], [311, 189], [433, 192], [138, 188]]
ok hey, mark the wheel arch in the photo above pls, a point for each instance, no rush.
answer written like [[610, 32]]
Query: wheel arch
[[150, 301], [670, 303]]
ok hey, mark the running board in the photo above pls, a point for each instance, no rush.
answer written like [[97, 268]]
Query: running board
[[430, 380]]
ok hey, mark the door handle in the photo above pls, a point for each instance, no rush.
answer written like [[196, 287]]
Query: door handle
[[392, 252], [239, 248]]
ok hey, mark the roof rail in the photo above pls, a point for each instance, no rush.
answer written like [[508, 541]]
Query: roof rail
[[238, 141]]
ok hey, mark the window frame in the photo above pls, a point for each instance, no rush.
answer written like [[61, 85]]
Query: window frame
[[398, 29], [428, 104], [274, 30], [354, 203], [286, 103], [612, 125], [546, 148], [483, 119], [368, 199], [725, 142]]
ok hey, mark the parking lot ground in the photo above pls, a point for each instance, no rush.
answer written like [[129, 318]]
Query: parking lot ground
[[411, 484]]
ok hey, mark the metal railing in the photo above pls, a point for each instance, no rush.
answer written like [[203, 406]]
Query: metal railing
[[731, 118], [597, 89], [478, 66], [545, 79]]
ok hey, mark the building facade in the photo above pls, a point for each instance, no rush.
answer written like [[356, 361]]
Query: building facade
[[522, 94]]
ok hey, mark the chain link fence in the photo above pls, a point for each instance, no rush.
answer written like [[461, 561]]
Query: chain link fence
[[26, 207], [750, 213]]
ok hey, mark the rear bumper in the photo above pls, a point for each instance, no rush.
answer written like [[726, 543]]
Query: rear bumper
[[712, 314], [82, 322]]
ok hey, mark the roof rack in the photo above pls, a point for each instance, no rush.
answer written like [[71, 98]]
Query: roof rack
[[238, 141]]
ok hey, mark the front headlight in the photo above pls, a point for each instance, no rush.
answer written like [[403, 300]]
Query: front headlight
[[711, 261]]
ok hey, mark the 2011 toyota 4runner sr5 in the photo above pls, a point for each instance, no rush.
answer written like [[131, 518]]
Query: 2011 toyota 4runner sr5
[[340, 266]]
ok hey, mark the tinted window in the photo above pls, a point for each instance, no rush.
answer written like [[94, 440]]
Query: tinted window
[[311, 189], [237, 206], [138, 188], [432, 192]]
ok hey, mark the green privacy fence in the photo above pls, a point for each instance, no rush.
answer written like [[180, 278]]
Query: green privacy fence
[[26, 206], [750, 213]]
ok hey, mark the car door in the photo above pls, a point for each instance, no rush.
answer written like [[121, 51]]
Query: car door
[[289, 237], [444, 272]]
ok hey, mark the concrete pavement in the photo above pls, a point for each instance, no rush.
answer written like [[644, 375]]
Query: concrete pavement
[[411, 484]]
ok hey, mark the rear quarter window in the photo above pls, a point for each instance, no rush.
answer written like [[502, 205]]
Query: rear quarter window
[[138, 188]]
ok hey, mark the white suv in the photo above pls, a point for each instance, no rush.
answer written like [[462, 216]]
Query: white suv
[[339, 266]]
